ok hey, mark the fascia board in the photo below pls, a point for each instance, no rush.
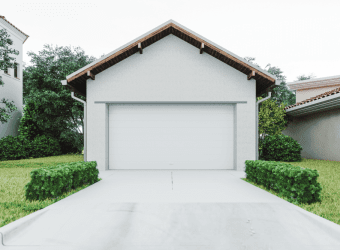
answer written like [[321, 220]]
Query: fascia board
[[155, 29], [225, 50], [118, 49], [323, 103]]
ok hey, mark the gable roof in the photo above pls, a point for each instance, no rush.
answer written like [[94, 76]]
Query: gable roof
[[76, 81], [3, 17]]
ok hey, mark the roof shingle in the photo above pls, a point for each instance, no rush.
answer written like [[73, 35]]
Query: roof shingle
[[323, 95]]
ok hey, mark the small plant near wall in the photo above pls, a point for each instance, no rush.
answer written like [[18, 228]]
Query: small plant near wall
[[280, 148]]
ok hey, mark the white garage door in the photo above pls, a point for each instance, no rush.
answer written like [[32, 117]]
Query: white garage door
[[171, 136]]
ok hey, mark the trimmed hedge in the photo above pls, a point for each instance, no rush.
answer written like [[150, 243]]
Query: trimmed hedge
[[51, 182], [14, 148], [43, 146], [294, 182], [280, 148], [19, 147]]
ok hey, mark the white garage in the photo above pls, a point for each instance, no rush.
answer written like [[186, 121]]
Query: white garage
[[170, 99], [171, 136]]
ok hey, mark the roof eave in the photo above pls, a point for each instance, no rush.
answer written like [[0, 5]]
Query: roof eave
[[323, 104], [302, 84], [2, 17], [159, 27]]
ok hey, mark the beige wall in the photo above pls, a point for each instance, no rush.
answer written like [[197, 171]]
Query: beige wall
[[318, 134], [304, 94]]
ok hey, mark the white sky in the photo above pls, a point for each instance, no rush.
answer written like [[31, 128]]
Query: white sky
[[300, 37]]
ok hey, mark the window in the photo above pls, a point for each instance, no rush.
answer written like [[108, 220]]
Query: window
[[6, 70], [16, 66]]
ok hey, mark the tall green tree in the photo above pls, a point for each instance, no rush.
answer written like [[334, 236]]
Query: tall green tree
[[55, 112], [272, 119], [6, 62]]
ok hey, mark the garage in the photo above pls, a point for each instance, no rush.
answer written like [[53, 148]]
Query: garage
[[171, 136], [170, 99]]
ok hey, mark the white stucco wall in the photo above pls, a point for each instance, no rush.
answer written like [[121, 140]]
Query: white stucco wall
[[13, 88], [170, 70], [304, 94], [318, 134]]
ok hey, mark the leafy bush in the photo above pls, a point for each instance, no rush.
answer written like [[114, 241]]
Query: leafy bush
[[43, 146], [28, 128], [19, 147], [14, 148], [280, 148], [71, 142], [293, 182], [51, 182]]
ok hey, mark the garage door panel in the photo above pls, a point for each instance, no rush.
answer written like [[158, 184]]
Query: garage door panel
[[183, 156], [165, 135], [173, 165], [225, 123], [146, 134], [172, 143], [124, 109], [173, 150], [170, 117]]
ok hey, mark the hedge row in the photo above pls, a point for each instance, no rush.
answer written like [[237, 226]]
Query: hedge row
[[51, 182], [291, 181], [16, 148]]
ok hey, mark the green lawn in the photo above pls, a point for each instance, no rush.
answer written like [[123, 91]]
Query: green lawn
[[14, 175], [329, 207]]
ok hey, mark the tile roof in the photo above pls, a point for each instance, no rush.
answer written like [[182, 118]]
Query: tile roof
[[323, 95], [3, 17]]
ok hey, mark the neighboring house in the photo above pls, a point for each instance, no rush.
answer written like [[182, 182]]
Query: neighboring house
[[315, 120], [13, 88], [170, 99]]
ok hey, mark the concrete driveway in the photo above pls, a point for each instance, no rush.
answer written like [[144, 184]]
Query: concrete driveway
[[171, 209]]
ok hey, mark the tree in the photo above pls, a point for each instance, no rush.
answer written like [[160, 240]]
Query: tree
[[271, 119], [272, 116], [303, 77], [6, 61], [55, 112]]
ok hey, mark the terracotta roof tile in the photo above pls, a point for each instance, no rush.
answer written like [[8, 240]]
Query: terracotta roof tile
[[3, 17], [323, 95]]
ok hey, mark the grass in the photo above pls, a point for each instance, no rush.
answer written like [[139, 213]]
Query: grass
[[14, 175], [329, 171], [41, 162]]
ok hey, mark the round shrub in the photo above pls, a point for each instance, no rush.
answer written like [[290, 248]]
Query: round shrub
[[14, 148], [280, 148], [43, 146]]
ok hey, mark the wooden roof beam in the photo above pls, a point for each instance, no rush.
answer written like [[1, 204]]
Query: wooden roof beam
[[251, 75], [202, 47], [140, 48], [90, 75]]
